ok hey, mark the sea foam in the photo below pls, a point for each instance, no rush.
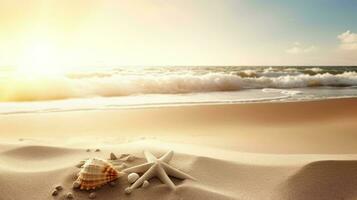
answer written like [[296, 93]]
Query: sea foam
[[123, 84]]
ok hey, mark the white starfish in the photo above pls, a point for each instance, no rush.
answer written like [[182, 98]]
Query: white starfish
[[158, 167]]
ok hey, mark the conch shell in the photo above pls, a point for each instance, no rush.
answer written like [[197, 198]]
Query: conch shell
[[96, 173]]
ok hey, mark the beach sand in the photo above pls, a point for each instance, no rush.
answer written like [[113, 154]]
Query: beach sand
[[291, 150]]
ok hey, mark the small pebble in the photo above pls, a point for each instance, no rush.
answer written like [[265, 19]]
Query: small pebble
[[132, 177], [92, 195], [54, 193], [97, 150], [75, 184], [69, 195], [59, 188], [113, 183], [128, 190], [113, 156], [88, 150], [145, 184]]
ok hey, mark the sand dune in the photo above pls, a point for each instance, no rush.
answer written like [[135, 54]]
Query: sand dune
[[328, 179], [219, 176]]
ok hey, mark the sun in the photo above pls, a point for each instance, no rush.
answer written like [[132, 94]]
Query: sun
[[40, 59]]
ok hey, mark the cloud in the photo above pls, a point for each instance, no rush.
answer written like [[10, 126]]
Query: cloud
[[299, 49], [348, 40]]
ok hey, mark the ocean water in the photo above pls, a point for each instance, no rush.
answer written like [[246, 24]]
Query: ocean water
[[118, 87]]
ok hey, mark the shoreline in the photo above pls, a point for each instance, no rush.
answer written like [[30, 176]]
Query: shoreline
[[162, 105], [282, 127]]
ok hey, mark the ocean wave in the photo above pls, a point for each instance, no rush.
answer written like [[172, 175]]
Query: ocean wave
[[61, 87]]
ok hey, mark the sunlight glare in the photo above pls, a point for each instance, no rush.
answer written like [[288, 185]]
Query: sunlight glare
[[39, 60]]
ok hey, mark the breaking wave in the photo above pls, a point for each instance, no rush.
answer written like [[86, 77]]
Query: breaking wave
[[119, 84]]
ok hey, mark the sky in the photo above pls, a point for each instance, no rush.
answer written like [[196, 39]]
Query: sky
[[47, 33]]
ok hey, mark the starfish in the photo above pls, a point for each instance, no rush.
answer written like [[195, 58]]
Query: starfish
[[158, 167]]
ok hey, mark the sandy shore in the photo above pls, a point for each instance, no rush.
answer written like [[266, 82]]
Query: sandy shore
[[299, 150]]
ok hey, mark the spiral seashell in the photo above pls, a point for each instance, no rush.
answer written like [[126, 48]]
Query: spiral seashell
[[95, 173]]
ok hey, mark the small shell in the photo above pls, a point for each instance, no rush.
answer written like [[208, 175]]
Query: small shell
[[95, 173], [54, 193], [97, 150], [59, 188], [128, 190], [132, 177]]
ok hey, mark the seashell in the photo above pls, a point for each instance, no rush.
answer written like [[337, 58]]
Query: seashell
[[132, 177], [97, 150], [59, 187], [95, 173], [54, 193]]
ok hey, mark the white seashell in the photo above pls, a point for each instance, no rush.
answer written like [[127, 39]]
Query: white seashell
[[145, 184], [132, 177], [95, 173]]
